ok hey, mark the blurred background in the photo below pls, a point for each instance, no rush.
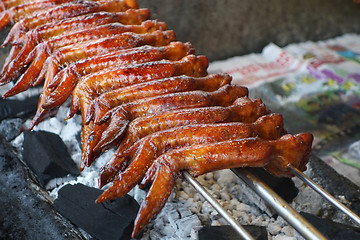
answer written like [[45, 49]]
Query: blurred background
[[224, 28]]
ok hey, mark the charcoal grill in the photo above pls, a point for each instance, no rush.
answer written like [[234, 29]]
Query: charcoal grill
[[248, 40]]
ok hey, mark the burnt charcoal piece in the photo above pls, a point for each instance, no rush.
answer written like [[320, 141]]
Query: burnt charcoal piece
[[26, 211], [46, 155], [333, 230], [228, 233], [323, 175], [11, 128], [110, 220], [10, 108], [284, 187]]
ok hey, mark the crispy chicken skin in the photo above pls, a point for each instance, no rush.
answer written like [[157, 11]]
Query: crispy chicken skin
[[6, 4], [16, 13], [91, 86], [43, 32], [69, 76]]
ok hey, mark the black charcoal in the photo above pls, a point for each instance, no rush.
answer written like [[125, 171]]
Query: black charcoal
[[228, 233], [109, 220], [12, 108], [26, 211], [334, 183], [11, 128], [333, 230], [284, 187], [46, 155]]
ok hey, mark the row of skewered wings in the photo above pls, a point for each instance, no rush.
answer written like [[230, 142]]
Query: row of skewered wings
[[140, 90]]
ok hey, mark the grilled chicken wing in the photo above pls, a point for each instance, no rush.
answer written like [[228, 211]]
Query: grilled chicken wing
[[109, 133], [142, 91], [64, 11], [203, 158], [93, 85], [6, 4], [243, 110], [68, 52], [147, 149], [88, 87], [71, 74], [52, 29], [16, 13], [29, 41], [114, 98]]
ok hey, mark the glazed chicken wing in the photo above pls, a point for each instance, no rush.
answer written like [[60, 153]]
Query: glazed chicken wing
[[140, 90], [243, 110], [89, 87], [32, 38], [16, 13], [203, 158], [146, 150], [68, 52], [6, 4], [109, 133], [114, 98], [64, 11]]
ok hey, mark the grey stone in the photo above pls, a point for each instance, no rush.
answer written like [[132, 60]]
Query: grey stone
[[11, 128]]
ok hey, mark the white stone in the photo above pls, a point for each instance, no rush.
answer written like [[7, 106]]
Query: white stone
[[274, 228]]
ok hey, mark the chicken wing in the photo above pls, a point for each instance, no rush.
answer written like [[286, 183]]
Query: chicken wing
[[92, 85], [6, 4], [16, 13], [114, 98], [203, 158], [64, 11], [243, 110], [109, 133], [147, 149], [41, 33], [65, 88], [68, 52]]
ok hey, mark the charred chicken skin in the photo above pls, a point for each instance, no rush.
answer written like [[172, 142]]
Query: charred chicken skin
[[143, 92]]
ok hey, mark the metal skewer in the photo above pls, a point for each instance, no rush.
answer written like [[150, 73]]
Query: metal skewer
[[324, 193], [217, 206], [281, 206]]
